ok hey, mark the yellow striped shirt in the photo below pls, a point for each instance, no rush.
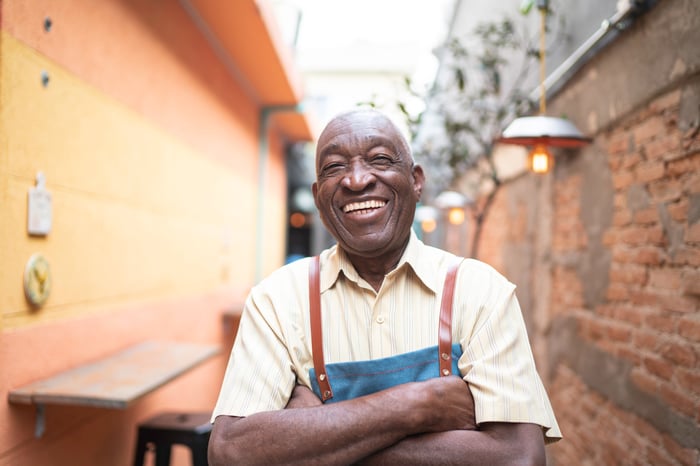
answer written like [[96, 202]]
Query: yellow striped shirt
[[272, 351]]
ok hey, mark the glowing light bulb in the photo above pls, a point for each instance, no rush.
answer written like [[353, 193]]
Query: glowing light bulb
[[456, 216], [540, 159], [428, 225]]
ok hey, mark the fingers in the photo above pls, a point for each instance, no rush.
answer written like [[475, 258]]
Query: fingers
[[453, 404]]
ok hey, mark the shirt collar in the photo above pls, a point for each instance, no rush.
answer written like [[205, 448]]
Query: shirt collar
[[334, 261]]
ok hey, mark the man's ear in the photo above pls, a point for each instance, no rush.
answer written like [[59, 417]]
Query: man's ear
[[418, 180]]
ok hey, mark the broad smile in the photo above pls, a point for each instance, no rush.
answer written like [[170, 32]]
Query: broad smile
[[363, 207]]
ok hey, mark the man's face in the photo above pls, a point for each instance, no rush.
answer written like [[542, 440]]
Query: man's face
[[366, 187]]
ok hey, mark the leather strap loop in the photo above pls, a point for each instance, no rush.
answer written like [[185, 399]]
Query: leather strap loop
[[317, 329], [445, 329]]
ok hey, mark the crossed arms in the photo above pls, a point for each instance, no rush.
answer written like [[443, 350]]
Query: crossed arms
[[430, 422]]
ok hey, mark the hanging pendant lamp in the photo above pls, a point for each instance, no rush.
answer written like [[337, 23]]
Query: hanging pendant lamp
[[542, 131]]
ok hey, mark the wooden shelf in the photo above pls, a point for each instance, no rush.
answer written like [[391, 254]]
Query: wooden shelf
[[115, 381]]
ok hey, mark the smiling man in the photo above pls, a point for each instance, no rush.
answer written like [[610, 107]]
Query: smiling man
[[382, 350]]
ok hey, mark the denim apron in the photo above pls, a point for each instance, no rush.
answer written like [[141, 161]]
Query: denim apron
[[358, 378]]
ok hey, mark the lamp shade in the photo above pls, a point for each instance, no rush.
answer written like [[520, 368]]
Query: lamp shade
[[550, 131]]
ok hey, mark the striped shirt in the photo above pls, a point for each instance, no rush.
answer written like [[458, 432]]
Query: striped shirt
[[272, 350]]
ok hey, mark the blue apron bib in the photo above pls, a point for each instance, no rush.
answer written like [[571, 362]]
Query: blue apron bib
[[358, 378]]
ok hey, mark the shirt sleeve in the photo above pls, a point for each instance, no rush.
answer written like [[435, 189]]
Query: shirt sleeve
[[259, 375], [499, 366]]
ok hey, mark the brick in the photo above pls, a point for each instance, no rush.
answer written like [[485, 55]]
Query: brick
[[645, 298], [666, 278], [687, 256], [646, 430], [617, 292], [618, 143], [622, 254], [682, 455], [644, 381], [630, 315], [646, 340], [658, 367], [630, 161], [622, 180], [606, 310], [648, 255], [677, 399], [665, 190], [593, 330], [650, 171], [656, 235], [691, 138], [678, 303], [663, 148], [692, 234], [689, 328], [619, 333], [628, 273], [688, 380], [690, 163], [691, 282], [622, 218], [612, 452], [608, 346], [614, 162], [630, 354], [646, 216], [678, 211], [665, 323], [650, 128], [634, 235], [692, 184], [680, 354], [658, 457]]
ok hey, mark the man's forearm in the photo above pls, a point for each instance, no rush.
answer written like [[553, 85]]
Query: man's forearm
[[340, 433], [497, 443]]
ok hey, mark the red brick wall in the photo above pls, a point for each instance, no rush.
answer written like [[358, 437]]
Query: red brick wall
[[650, 315], [605, 250], [622, 366]]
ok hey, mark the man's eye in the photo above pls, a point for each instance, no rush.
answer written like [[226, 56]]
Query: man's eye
[[382, 159], [332, 168]]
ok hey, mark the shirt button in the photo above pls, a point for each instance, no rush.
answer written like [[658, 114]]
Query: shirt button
[[380, 320]]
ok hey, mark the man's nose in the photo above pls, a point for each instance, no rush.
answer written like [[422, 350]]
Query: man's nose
[[358, 176]]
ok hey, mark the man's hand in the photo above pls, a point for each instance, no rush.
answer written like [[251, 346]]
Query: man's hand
[[445, 403]]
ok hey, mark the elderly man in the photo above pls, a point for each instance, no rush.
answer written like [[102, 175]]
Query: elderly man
[[382, 350]]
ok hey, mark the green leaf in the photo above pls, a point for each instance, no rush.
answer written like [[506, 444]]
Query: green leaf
[[526, 6]]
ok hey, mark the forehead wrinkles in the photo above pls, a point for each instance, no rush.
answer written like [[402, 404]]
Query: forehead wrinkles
[[348, 144], [352, 142]]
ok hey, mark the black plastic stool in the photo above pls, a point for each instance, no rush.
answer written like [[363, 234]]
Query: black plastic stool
[[164, 430]]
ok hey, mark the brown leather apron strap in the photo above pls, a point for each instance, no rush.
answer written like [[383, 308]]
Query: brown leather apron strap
[[316, 329], [445, 329]]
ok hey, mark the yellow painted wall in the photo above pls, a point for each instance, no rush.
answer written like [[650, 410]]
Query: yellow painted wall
[[137, 214], [150, 151]]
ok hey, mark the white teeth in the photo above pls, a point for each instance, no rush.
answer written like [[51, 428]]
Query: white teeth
[[363, 205]]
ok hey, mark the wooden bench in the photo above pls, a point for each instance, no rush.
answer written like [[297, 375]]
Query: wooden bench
[[115, 381]]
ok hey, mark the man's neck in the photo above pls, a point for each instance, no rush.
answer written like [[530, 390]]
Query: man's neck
[[374, 269]]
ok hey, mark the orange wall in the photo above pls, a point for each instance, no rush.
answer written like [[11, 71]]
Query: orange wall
[[150, 150]]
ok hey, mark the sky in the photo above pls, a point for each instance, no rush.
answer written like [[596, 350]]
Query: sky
[[329, 26]]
